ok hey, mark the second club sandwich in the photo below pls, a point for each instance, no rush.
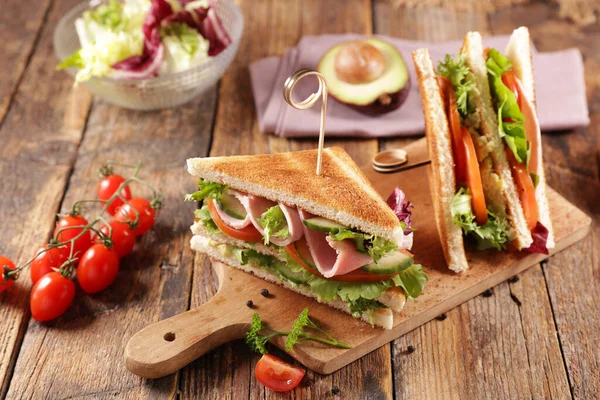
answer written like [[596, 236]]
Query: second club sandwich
[[487, 177], [330, 237]]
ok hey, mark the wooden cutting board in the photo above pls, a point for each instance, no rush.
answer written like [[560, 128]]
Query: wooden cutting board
[[168, 345]]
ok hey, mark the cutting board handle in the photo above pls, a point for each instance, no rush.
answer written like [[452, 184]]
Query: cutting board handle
[[169, 345]]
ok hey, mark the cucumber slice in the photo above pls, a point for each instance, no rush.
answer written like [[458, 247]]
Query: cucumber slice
[[296, 277], [232, 206], [323, 225], [389, 264], [304, 253]]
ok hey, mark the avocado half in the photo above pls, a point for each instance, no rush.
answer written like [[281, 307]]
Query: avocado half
[[368, 75]]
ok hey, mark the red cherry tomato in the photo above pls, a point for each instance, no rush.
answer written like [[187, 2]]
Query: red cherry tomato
[[6, 284], [98, 268], [247, 234], [51, 296], [81, 244], [123, 237], [108, 186], [46, 262], [278, 375], [127, 213]]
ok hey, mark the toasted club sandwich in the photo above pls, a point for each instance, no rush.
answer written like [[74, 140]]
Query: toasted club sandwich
[[487, 177], [330, 237]]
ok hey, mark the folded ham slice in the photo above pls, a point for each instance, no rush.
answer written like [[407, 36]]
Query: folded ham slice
[[255, 207], [228, 219], [332, 257]]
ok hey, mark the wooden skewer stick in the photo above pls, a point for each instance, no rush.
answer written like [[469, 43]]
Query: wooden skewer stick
[[309, 102]]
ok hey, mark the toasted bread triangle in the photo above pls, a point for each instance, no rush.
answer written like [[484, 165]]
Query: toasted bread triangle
[[341, 193]]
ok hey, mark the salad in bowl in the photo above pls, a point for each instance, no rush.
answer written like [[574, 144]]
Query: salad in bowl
[[148, 54], [139, 39]]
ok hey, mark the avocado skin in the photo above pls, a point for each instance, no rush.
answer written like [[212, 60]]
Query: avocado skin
[[377, 108]]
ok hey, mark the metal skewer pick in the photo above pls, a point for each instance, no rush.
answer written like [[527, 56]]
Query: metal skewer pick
[[309, 102]]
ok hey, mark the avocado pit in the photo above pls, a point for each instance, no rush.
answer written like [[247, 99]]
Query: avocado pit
[[359, 62]]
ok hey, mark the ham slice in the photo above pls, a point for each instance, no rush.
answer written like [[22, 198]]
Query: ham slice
[[532, 129], [255, 207], [228, 219], [332, 257]]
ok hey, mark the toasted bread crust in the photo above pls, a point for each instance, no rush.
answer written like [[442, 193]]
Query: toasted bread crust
[[518, 52], [472, 49], [341, 193], [441, 174]]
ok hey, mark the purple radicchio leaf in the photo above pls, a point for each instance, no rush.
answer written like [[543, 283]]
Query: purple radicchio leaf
[[402, 208], [207, 23], [540, 237], [147, 65]]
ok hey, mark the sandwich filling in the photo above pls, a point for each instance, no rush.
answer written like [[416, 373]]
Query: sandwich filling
[[518, 126], [471, 152], [333, 261]]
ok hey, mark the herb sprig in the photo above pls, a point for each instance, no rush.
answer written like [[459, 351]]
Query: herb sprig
[[257, 341]]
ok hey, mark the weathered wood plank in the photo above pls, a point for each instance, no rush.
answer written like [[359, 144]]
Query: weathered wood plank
[[506, 351], [39, 137], [573, 276], [154, 282], [20, 25], [271, 26]]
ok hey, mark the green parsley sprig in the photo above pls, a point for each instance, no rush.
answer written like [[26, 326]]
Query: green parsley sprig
[[257, 341]]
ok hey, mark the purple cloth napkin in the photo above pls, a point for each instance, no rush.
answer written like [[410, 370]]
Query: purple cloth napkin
[[560, 91]]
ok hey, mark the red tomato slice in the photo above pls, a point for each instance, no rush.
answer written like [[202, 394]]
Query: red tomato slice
[[355, 276], [526, 189], [278, 375], [465, 158], [248, 234]]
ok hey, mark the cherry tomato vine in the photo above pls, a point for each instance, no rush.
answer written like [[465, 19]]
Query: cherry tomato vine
[[79, 247]]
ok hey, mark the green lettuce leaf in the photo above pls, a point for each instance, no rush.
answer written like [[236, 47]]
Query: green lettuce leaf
[[412, 280], [187, 38], [109, 15], [374, 246], [456, 70], [208, 190], [73, 61], [274, 222], [493, 234], [357, 295], [505, 102], [204, 216]]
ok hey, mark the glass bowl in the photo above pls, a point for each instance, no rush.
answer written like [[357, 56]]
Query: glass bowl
[[163, 91]]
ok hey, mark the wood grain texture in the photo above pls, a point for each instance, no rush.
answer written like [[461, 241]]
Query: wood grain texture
[[154, 281], [543, 374], [39, 138], [20, 27], [270, 27], [573, 169]]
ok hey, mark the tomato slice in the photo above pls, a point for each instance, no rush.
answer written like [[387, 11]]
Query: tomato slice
[[248, 234], [465, 158], [278, 375], [526, 189], [356, 276]]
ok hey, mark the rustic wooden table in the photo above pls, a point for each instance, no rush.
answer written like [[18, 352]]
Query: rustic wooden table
[[537, 337]]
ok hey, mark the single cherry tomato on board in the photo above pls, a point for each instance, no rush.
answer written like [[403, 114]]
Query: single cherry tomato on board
[[108, 186], [127, 213], [51, 296], [46, 262], [123, 237], [276, 374], [98, 268], [81, 244], [6, 282]]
